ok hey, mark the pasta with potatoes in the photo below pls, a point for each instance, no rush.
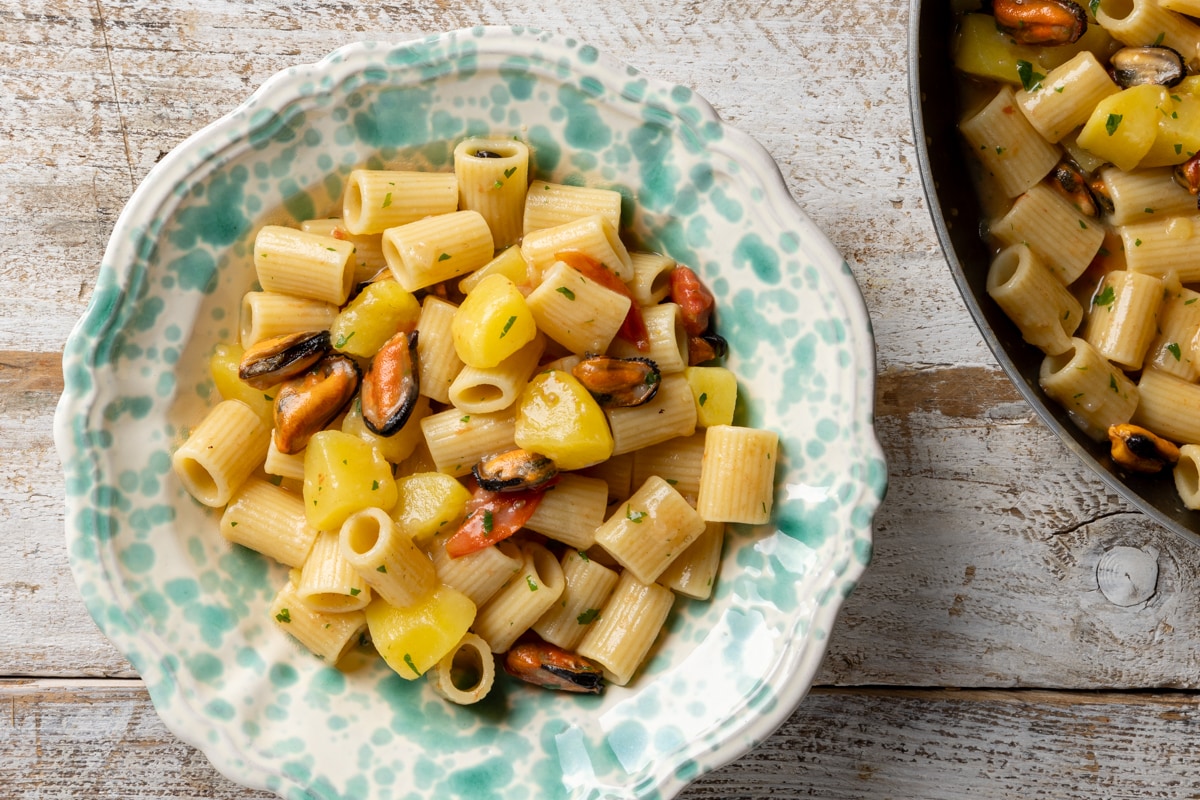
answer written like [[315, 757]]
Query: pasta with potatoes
[[491, 435], [1083, 125]]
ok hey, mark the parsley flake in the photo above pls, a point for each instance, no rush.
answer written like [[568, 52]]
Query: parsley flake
[[634, 516], [284, 616], [488, 521], [387, 200], [1031, 81], [508, 173], [1113, 122], [1173, 349], [444, 257], [1106, 297], [565, 292], [382, 568], [531, 583], [355, 591], [374, 486], [342, 339], [588, 617], [408, 659], [703, 399], [507, 326]]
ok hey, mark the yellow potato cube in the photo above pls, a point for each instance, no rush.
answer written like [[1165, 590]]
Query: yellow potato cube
[[342, 475], [1178, 136], [223, 367], [980, 49], [1123, 126], [381, 310], [414, 638], [559, 418], [715, 392], [492, 323], [510, 263], [429, 502]]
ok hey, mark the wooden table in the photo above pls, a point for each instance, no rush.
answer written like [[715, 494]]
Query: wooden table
[[978, 657]]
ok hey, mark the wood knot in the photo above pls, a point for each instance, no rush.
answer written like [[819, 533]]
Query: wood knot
[[1128, 576]]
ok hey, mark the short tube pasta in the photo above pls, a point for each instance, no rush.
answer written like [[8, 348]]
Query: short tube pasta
[[672, 413], [494, 184], [1174, 349], [523, 600], [650, 529], [376, 200], [437, 249], [651, 281], [592, 236], [1124, 317], [293, 262], [479, 390], [478, 575], [1096, 393], [1164, 246], [228, 444], [1045, 312], [1063, 237], [628, 625], [737, 477], [571, 510], [588, 585], [457, 440], [577, 312], [668, 339], [266, 315], [269, 520], [1008, 147], [464, 675], [438, 363], [1064, 99], [386, 558], [1145, 194], [548, 205], [328, 582], [328, 636], [1187, 476], [694, 572], [1147, 21], [1168, 406]]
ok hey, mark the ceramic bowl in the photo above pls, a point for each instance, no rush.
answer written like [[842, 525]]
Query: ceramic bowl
[[189, 610], [957, 217]]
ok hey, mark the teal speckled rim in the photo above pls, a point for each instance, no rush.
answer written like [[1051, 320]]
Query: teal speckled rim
[[189, 611]]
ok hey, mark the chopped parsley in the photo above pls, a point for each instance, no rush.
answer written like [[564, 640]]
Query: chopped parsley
[[634, 516], [1106, 297], [408, 659], [444, 257], [507, 326], [1031, 81], [508, 173], [531, 583], [497, 184], [583, 555], [382, 568], [1113, 122], [1112, 382], [342, 339], [703, 399], [233, 523], [1173, 349], [387, 200], [284, 616], [488, 521], [565, 292], [355, 591], [588, 617], [374, 486]]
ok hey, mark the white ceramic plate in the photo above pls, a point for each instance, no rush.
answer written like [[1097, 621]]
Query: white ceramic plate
[[189, 611]]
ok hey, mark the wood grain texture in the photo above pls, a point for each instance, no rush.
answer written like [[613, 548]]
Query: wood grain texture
[[101, 740]]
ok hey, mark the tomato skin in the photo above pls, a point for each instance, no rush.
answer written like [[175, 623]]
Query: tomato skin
[[633, 328], [492, 517], [695, 300]]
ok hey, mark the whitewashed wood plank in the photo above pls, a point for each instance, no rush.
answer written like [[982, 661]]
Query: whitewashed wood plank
[[102, 740]]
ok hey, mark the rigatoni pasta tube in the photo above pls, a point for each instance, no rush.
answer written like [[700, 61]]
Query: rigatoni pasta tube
[[478, 575], [667, 335], [436, 249], [1007, 146], [375, 200], [737, 478], [269, 520], [438, 363], [481, 390], [386, 558], [1145, 194], [464, 675], [523, 600], [571, 510], [328, 636], [1143, 22], [457, 440], [548, 205], [1064, 99], [1174, 349], [1168, 406], [650, 529], [593, 236], [228, 444], [588, 585], [1187, 476], [671, 413], [694, 572], [266, 315], [293, 262], [1161, 246], [368, 248], [494, 184], [628, 625], [1087, 385], [1045, 312], [328, 582], [651, 281], [677, 461], [575, 311], [1124, 317], [1064, 237]]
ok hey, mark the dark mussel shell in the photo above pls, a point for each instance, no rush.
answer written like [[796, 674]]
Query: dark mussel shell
[[273, 361], [306, 404], [552, 667], [706, 347], [514, 471], [391, 387], [1152, 64], [618, 382], [1068, 179]]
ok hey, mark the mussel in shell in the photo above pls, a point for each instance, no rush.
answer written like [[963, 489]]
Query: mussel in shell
[[306, 404], [514, 471], [280, 358], [391, 387], [618, 382]]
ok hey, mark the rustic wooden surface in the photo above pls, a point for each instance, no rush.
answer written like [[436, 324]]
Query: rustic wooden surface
[[978, 658]]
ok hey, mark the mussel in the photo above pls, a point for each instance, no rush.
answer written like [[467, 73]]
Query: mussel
[[1040, 22], [618, 382], [1140, 450], [706, 347], [273, 361], [306, 404], [1069, 181], [1151, 64], [552, 667], [514, 471], [1187, 175], [391, 387]]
